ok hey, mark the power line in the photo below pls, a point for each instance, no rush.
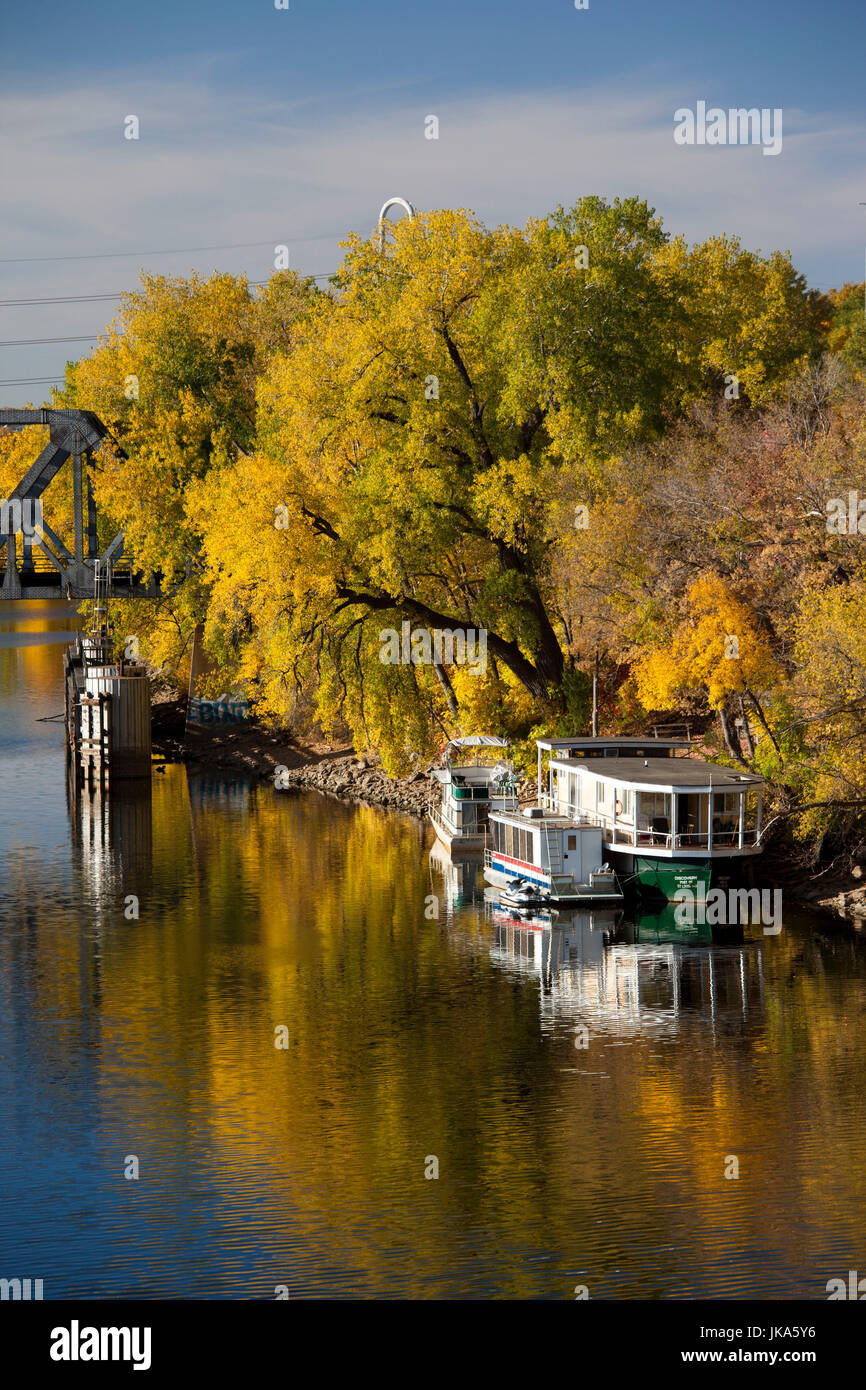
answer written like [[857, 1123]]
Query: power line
[[60, 299], [34, 342], [169, 250], [33, 381], [91, 298]]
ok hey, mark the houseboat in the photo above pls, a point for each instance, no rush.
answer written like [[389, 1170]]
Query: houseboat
[[538, 855], [476, 777], [667, 822]]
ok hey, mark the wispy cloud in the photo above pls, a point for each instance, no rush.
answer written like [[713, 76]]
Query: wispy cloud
[[214, 168]]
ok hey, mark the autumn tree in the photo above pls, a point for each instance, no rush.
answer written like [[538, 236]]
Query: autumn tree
[[174, 380], [847, 329], [717, 649], [310, 470]]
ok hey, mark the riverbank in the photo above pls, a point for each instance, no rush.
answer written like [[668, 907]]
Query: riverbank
[[336, 769]]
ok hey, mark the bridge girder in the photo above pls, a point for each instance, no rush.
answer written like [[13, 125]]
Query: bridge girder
[[72, 434]]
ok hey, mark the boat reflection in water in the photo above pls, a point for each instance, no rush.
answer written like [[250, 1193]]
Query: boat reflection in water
[[454, 881], [628, 975]]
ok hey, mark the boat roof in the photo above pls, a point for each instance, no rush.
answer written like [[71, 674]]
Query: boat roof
[[672, 772], [554, 820], [478, 741], [559, 744]]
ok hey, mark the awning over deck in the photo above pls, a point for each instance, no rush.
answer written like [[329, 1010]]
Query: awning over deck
[[478, 741]]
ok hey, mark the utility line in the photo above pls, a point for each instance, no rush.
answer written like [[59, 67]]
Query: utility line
[[170, 250], [33, 381], [91, 298], [34, 342], [60, 299]]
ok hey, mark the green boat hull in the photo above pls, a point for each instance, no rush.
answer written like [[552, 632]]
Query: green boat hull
[[665, 877]]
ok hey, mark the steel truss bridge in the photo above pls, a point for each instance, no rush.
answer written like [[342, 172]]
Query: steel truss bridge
[[46, 568]]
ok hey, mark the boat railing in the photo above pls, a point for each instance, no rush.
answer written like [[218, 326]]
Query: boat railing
[[439, 819], [499, 800], [574, 813], [623, 832]]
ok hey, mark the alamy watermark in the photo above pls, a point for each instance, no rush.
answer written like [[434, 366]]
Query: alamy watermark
[[423, 646], [77, 1343], [736, 126], [847, 516], [20, 517], [854, 1289], [726, 908], [22, 1290]]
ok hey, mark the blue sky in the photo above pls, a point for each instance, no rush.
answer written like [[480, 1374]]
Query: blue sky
[[259, 125]]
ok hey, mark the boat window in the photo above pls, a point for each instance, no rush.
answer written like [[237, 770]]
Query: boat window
[[654, 811], [605, 797], [572, 842]]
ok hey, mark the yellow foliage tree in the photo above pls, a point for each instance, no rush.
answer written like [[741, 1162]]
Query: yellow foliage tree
[[718, 650]]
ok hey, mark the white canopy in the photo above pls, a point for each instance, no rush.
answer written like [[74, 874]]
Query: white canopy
[[478, 741]]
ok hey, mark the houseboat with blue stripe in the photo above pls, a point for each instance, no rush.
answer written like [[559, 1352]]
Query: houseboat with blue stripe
[[538, 855]]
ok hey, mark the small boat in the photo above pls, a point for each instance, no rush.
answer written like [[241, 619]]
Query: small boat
[[476, 777], [522, 893], [538, 856]]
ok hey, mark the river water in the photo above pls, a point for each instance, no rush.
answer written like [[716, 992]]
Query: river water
[[582, 1089]]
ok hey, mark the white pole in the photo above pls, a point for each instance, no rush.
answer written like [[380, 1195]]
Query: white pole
[[710, 818], [392, 203]]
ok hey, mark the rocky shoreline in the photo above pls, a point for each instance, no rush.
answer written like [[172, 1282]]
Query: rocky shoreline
[[332, 768], [335, 769]]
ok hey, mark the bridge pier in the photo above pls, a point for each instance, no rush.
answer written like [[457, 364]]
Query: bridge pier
[[11, 583]]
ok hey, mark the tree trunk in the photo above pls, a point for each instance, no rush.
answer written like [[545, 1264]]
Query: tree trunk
[[732, 746], [760, 713], [447, 690], [746, 730]]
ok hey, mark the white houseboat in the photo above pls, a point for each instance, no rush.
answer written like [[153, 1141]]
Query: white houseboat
[[540, 856], [476, 777], [666, 822]]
